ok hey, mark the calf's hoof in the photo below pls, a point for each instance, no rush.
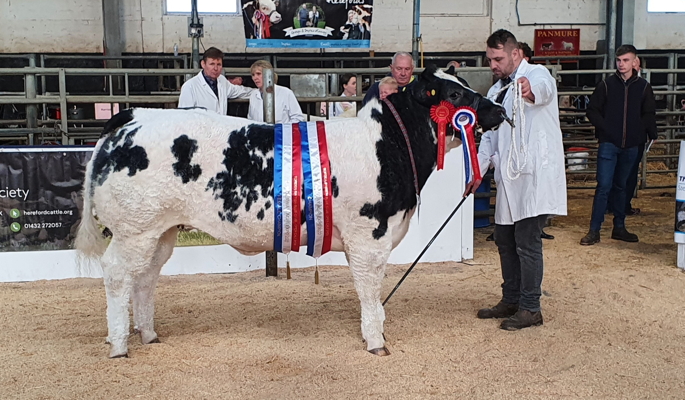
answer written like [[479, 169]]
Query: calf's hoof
[[153, 341], [125, 355], [381, 351]]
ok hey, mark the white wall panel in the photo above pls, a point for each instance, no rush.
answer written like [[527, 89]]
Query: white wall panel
[[76, 25], [50, 26]]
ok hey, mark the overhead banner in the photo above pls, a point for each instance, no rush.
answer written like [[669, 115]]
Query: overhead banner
[[557, 42], [318, 24], [40, 196]]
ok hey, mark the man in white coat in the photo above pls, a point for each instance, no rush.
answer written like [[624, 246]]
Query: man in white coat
[[209, 89], [530, 177]]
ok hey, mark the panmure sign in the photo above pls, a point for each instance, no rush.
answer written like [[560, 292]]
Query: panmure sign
[[557, 42]]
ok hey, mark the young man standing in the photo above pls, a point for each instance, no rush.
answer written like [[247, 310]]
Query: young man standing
[[531, 182], [622, 110]]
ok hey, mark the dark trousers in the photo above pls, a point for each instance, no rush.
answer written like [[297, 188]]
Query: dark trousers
[[520, 254], [614, 165], [631, 183]]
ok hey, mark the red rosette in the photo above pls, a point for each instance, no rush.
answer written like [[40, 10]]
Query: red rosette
[[442, 115]]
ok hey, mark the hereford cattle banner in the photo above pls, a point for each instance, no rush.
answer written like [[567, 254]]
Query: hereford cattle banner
[[40, 199], [316, 24], [557, 42]]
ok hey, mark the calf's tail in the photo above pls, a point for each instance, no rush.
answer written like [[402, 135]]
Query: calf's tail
[[90, 243]]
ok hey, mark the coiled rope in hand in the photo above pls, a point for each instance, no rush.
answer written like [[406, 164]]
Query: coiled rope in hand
[[518, 154]]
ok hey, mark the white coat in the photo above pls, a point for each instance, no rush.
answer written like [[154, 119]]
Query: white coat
[[541, 187], [197, 93], [287, 108]]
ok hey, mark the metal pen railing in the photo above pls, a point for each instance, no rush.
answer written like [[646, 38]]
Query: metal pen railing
[[671, 127]]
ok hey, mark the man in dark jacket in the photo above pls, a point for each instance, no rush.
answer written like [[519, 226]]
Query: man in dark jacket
[[402, 69], [622, 110]]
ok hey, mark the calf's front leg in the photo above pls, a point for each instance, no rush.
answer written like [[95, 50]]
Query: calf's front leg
[[367, 259]]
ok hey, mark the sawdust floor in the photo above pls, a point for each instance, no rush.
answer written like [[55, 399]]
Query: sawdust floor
[[614, 329]]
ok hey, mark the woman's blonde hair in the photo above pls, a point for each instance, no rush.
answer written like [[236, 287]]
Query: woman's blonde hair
[[261, 64]]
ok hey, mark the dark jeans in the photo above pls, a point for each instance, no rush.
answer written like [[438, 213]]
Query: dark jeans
[[520, 254], [614, 165], [631, 183]]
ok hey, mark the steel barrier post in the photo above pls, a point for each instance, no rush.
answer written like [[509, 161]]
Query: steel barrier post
[[63, 105], [30, 90], [268, 100]]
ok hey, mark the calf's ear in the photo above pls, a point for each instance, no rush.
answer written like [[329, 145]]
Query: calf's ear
[[428, 74], [425, 92]]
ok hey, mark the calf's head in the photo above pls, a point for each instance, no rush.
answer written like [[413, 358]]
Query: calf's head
[[436, 86]]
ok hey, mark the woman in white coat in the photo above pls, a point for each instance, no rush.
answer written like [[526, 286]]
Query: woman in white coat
[[530, 177], [209, 89], [287, 108]]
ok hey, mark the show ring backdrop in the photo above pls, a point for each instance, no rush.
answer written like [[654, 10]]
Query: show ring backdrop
[[41, 203]]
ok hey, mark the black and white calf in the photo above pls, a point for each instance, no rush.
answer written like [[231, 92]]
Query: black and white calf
[[153, 170]]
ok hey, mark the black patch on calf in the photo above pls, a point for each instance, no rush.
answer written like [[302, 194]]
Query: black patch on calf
[[183, 149], [376, 115], [396, 179], [334, 185], [245, 177], [260, 214], [116, 153], [117, 121]]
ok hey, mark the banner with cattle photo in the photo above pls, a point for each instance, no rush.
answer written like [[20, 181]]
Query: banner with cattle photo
[[40, 197], [316, 24]]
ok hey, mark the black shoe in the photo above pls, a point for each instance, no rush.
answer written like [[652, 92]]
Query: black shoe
[[491, 237], [623, 234], [501, 310], [522, 319], [546, 236], [591, 238]]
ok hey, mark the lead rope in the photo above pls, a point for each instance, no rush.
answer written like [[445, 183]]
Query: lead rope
[[522, 151], [515, 154], [411, 153]]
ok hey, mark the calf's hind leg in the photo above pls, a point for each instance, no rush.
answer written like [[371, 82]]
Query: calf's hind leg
[[124, 260], [144, 288], [367, 259]]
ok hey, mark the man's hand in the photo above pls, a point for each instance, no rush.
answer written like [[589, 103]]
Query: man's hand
[[525, 89], [471, 187]]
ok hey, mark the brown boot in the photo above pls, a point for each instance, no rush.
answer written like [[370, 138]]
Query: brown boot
[[591, 238], [501, 310], [522, 319]]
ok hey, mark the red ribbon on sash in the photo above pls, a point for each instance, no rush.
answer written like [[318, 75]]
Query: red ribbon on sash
[[442, 114], [327, 187]]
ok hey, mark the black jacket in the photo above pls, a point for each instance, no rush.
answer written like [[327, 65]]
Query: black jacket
[[623, 112], [374, 90]]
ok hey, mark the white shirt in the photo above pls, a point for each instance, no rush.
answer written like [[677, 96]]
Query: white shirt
[[541, 187], [196, 92], [338, 108], [287, 108]]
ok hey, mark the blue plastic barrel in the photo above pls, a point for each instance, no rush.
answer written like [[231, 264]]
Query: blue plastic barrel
[[482, 204]]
